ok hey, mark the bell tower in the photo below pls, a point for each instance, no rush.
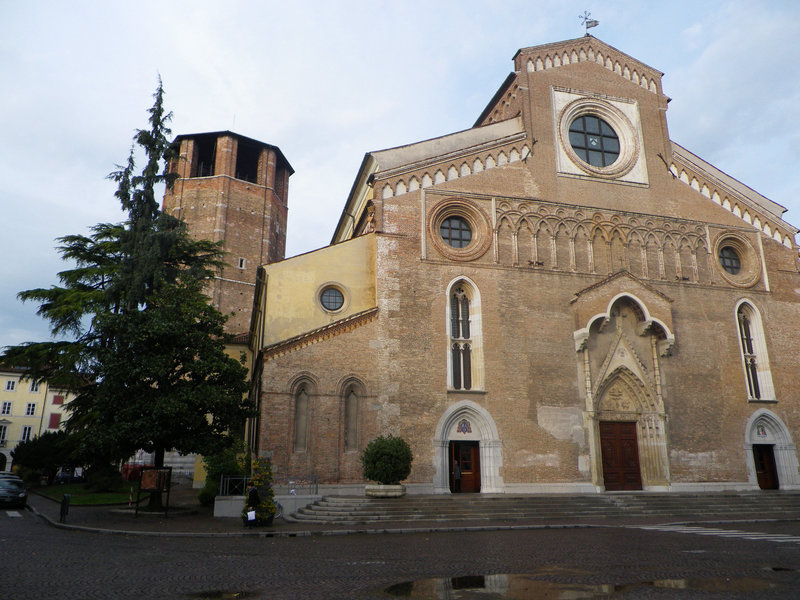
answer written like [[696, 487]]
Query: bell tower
[[232, 189]]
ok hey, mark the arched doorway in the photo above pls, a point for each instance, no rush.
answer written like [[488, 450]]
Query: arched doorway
[[467, 431], [630, 435], [771, 454], [3, 461]]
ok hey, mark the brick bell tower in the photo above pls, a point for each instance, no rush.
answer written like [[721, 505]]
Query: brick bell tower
[[233, 189]]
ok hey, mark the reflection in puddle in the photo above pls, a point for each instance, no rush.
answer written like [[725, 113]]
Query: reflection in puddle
[[221, 595], [528, 587]]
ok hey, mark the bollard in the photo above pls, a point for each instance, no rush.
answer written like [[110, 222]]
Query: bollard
[[64, 508]]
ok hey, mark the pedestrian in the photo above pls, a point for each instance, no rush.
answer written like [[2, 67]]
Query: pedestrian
[[252, 503], [456, 476]]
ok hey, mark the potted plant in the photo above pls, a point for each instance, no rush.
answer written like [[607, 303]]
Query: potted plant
[[387, 460], [262, 480]]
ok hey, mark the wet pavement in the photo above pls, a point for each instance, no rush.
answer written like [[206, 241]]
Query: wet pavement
[[186, 517], [192, 555]]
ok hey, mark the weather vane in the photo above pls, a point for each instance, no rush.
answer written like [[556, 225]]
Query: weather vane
[[587, 21]]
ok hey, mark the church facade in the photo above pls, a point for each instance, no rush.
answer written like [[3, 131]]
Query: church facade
[[558, 299]]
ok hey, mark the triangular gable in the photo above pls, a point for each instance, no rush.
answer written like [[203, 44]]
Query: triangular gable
[[753, 208], [569, 52]]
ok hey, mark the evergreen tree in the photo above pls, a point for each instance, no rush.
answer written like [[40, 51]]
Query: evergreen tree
[[145, 353]]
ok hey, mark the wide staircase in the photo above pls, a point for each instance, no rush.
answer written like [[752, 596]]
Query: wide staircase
[[477, 508]]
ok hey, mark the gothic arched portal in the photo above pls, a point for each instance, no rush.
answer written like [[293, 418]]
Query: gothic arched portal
[[771, 454], [467, 421]]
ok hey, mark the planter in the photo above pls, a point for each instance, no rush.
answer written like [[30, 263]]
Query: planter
[[384, 491]]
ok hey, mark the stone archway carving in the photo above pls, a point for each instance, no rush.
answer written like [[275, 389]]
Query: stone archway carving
[[620, 356], [625, 397], [765, 427], [481, 428]]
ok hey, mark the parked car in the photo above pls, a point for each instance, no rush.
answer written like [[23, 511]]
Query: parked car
[[66, 475], [10, 475], [13, 493]]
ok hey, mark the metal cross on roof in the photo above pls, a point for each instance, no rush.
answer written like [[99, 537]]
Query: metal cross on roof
[[587, 21]]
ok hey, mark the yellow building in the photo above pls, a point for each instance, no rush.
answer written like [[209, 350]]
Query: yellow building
[[27, 410]]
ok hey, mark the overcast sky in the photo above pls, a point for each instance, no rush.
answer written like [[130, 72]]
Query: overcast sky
[[329, 81]]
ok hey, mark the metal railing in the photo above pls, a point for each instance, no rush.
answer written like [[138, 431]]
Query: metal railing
[[287, 485]]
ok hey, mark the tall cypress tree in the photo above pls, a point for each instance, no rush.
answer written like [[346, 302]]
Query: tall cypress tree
[[145, 352]]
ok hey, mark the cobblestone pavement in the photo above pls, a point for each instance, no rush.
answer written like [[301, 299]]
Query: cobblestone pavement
[[42, 562]]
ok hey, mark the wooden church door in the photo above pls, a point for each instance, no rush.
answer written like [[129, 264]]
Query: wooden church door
[[467, 454], [620, 454], [766, 471]]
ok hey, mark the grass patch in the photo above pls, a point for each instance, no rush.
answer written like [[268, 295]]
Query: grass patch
[[83, 497]]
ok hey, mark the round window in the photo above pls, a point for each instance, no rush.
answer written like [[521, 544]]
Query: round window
[[456, 232], [729, 259], [594, 141], [331, 299]]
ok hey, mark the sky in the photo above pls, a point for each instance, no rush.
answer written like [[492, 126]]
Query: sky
[[327, 82]]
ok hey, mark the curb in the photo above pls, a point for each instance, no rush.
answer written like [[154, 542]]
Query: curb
[[314, 533], [382, 531]]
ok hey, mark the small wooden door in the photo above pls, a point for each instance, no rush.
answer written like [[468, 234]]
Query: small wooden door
[[766, 471], [467, 454], [620, 453]]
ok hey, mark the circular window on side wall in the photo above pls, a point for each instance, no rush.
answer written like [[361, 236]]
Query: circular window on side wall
[[331, 298], [459, 230], [598, 138], [737, 260], [729, 259], [456, 232]]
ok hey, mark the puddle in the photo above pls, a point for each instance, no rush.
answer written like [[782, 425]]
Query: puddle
[[530, 587], [222, 595]]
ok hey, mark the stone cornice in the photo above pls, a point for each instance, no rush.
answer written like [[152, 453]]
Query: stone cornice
[[317, 335]]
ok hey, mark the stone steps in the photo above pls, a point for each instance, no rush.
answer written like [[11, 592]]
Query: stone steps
[[355, 510]]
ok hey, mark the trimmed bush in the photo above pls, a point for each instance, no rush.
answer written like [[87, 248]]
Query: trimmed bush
[[387, 460]]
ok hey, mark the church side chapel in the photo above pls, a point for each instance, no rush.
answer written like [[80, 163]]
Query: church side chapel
[[559, 299]]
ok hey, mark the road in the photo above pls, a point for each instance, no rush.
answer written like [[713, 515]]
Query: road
[[756, 560]]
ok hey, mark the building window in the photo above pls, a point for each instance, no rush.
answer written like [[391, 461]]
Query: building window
[[247, 155], [351, 421], [331, 299], [462, 338], [26, 434], [205, 155], [11, 385], [30, 409], [594, 141], [34, 386], [754, 354], [55, 421], [58, 399], [456, 232], [301, 420], [729, 259], [6, 409], [3, 433], [242, 263]]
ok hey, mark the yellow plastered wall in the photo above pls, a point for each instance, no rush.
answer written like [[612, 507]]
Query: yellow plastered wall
[[293, 287]]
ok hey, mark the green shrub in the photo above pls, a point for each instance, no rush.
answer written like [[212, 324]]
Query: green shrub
[[104, 479], [206, 495], [232, 462], [387, 460], [262, 479]]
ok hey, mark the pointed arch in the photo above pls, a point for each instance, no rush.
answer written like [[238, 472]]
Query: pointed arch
[[465, 336], [753, 348], [351, 392], [484, 430], [766, 428], [303, 387]]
